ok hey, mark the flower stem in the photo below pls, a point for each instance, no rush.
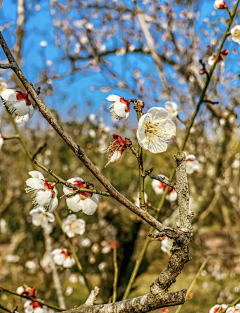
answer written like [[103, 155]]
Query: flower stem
[[193, 283], [187, 133], [33, 299], [64, 182], [115, 279], [79, 265]]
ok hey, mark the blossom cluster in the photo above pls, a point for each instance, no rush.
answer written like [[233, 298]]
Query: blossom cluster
[[31, 306]]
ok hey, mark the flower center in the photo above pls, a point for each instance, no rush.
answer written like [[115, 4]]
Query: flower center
[[49, 187], [35, 305], [83, 195], [66, 254], [236, 33]]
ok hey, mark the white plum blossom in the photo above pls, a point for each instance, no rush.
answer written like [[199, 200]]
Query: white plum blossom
[[116, 148], [120, 108], [137, 202], [221, 59], [1, 141], [218, 308], [73, 226], [34, 307], [192, 164], [172, 109], [83, 201], [41, 217], [21, 120], [159, 188], [166, 245], [155, 130], [17, 102], [234, 309], [63, 257], [42, 192], [26, 291], [220, 5], [235, 32]]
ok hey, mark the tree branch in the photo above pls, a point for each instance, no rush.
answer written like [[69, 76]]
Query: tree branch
[[162, 179]]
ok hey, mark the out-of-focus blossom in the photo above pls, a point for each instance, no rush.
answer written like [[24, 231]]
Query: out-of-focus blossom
[[3, 226], [46, 263], [116, 148], [235, 32], [43, 43], [3, 84], [137, 202], [102, 266], [17, 102], [218, 308], [43, 193], [69, 290], [166, 245], [83, 201], [41, 217], [92, 133], [12, 258], [73, 226], [26, 291], [191, 295], [160, 187], [31, 266], [34, 307], [92, 117], [192, 164], [1, 141], [234, 309], [63, 257], [220, 5], [172, 109], [73, 278], [155, 130], [120, 108], [19, 119], [221, 59], [86, 242], [165, 310]]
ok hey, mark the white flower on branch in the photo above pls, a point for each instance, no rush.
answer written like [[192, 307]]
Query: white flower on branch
[[220, 5], [235, 32], [155, 130], [43, 193], [218, 308], [20, 120], [192, 164], [221, 59], [83, 201], [159, 188], [166, 245], [1, 141], [120, 108], [116, 148], [63, 257], [17, 102], [73, 226], [172, 109], [41, 217], [235, 309], [34, 307]]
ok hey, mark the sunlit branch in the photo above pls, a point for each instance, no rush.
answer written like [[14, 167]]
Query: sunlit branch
[[115, 277]]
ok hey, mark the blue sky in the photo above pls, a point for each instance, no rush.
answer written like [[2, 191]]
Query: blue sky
[[39, 28]]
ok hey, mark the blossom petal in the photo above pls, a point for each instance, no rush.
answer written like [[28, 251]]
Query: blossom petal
[[119, 109], [35, 183], [89, 206], [158, 113], [9, 95], [113, 98], [43, 197], [53, 204], [36, 174]]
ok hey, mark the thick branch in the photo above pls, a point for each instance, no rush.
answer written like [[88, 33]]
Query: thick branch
[[142, 304]]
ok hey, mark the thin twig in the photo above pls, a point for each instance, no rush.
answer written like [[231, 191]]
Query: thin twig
[[39, 150], [5, 309], [209, 101], [13, 137], [33, 299], [162, 179], [193, 283], [115, 278], [7, 66]]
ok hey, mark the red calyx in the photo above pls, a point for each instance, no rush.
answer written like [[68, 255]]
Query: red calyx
[[162, 238], [223, 5], [114, 244], [127, 103], [81, 184], [163, 186], [122, 142], [66, 254], [165, 310], [49, 187], [225, 52], [35, 305], [32, 292], [23, 96]]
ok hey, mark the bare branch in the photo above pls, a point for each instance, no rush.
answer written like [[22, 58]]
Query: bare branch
[[92, 297], [163, 179]]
